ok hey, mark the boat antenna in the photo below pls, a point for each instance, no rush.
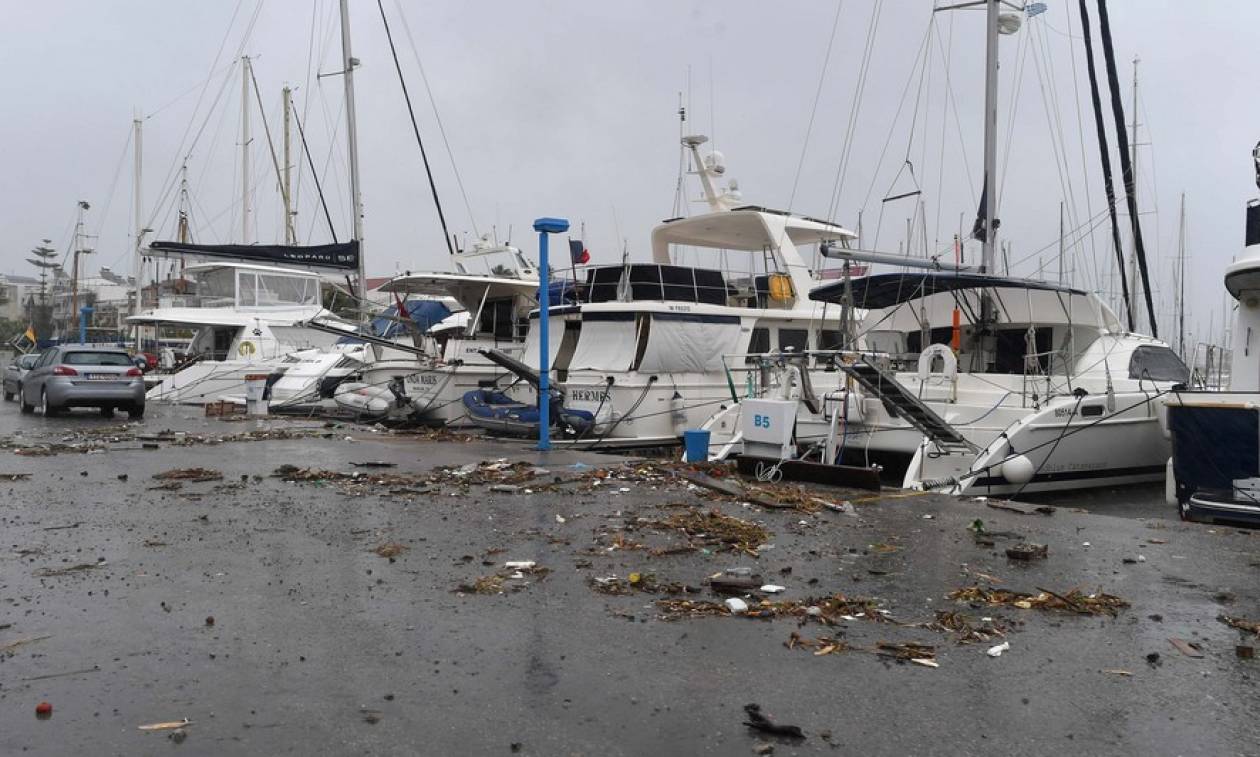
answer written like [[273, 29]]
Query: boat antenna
[[424, 156]]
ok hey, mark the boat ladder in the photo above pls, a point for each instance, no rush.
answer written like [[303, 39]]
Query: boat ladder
[[903, 404]]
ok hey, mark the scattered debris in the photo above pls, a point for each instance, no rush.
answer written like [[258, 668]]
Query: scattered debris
[[736, 605], [15, 476], [715, 530], [1187, 648], [193, 475], [966, 633], [165, 725], [48, 572], [1241, 624], [1118, 672], [389, 549], [1013, 508], [498, 583], [1074, 600], [375, 464], [759, 722], [996, 651], [912, 651], [43, 710], [1026, 551], [1245, 652], [642, 582]]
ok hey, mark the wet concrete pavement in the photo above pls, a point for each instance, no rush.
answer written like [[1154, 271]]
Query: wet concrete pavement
[[320, 646]]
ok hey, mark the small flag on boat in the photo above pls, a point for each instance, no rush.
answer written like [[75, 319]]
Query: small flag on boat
[[578, 253]]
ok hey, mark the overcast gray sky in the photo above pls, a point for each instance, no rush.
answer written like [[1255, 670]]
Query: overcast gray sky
[[569, 108]]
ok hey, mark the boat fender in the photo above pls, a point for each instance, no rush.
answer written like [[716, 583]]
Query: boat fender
[[678, 413], [1170, 484], [1018, 469]]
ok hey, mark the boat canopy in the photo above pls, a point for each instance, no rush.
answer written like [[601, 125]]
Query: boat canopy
[[887, 289], [742, 228]]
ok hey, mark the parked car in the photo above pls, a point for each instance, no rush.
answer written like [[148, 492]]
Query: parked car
[[81, 375], [13, 373]]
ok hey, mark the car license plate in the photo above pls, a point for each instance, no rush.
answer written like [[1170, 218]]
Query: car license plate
[[101, 377]]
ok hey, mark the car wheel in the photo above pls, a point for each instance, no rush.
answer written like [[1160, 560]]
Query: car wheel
[[8, 396], [26, 406], [135, 411], [49, 409]]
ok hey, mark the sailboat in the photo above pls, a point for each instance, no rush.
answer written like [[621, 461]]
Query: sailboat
[[977, 384], [248, 309]]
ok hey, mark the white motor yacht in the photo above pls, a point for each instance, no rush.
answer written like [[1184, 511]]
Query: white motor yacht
[[243, 319]]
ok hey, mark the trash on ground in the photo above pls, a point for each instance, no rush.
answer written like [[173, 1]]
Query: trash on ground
[[1073, 601], [736, 605], [514, 577], [996, 651], [165, 725], [390, 549], [1026, 551], [189, 474], [759, 722], [1241, 624], [1187, 648]]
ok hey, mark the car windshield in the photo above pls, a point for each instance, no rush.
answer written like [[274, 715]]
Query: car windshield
[[96, 358], [27, 361]]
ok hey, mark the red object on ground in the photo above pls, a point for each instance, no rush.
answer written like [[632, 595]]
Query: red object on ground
[[43, 708]]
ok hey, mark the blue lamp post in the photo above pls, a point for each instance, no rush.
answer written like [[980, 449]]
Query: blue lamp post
[[544, 227], [85, 315]]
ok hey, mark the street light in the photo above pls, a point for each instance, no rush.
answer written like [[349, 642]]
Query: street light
[[545, 227]]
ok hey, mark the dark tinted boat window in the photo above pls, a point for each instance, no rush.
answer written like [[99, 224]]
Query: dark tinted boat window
[[797, 339], [1157, 364]]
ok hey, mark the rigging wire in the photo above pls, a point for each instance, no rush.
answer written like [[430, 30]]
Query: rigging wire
[[424, 78], [855, 108], [415, 128], [813, 111]]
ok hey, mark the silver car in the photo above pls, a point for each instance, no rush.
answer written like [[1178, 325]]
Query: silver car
[[83, 375], [13, 373]]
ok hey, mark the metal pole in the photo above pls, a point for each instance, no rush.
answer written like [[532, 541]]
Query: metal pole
[[352, 136], [545, 227], [244, 150], [288, 183], [544, 344], [138, 263]]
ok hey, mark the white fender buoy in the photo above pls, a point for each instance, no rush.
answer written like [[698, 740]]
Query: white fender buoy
[[1018, 469]]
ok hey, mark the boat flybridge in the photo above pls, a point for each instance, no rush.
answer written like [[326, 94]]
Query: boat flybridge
[[643, 346], [496, 286], [1046, 392], [244, 319]]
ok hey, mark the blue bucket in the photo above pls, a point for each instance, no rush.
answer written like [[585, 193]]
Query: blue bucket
[[696, 445]]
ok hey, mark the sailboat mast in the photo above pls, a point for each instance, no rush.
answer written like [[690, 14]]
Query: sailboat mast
[[244, 149], [1133, 256], [352, 135], [1060, 241], [1181, 280], [990, 140], [289, 236]]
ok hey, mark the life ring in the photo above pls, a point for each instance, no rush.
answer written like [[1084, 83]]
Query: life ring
[[246, 349], [948, 358]]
